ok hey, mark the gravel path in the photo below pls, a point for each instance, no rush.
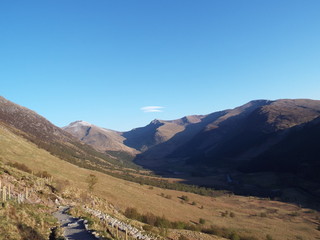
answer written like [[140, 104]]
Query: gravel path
[[73, 227]]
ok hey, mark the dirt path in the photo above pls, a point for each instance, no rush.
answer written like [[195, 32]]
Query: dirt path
[[73, 227]]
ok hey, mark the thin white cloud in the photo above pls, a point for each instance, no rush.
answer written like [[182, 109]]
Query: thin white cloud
[[152, 109]]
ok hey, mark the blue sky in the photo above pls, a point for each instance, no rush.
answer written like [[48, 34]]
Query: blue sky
[[103, 61]]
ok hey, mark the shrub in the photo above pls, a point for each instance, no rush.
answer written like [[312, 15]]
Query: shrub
[[294, 214], [269, 237], [20, 166], [132, 213], [163, 231], [162, 222], [61, 185], [248, 238], [218, 231], [192, 227], [263, 214], [149, 218], [90, 222], [91, 180], [224, 214], [232, 214], [28, 232], [185, 198], [168, 196], [147, 227], [202, 221], [193, 203], [179, 225], [183, 237], [43, 174], [234, 236]]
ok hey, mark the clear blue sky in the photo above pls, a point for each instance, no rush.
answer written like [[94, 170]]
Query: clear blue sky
[[102, 61]]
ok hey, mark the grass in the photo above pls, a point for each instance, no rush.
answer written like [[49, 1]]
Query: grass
[[25, 221], [122, 194]]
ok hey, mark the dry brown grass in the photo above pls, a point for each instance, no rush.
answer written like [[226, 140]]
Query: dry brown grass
[[279, 221]]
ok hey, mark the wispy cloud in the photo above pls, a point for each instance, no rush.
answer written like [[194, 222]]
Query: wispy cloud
[[152, 109]]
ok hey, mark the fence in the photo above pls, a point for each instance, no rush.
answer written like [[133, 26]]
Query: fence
[[8, 191]]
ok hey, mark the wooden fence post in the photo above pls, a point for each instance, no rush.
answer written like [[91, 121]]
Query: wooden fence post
[[27, 193], [4, 194], [9, 192], [117, 232]]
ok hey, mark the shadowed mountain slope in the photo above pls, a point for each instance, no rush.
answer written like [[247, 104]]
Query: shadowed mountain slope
[[227, 138], [30, 122], [246, 132], [158, 131], [195, 138], [298, 152]]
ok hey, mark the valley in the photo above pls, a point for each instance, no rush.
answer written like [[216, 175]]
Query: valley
[[235, 149], [215, 213]]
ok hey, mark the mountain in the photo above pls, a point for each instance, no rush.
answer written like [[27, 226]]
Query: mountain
[[226, 138], [30, 123], [265, 148], [101, 139], [257, 148], [35, 128], [19, 158], [249, 131], [231, 136], [185, 144], [158, 131], [133, 142], [186, 128], [298, 152]]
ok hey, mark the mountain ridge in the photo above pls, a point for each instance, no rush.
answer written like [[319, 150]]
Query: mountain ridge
[[222, 137], [232, 142], [37, 129], [204, 150]]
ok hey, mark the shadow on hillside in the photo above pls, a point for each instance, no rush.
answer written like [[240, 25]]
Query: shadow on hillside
[[280, 187]]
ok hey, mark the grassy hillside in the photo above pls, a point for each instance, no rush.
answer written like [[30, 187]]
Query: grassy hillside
[[30, 218], [250, 216], [30, 125]]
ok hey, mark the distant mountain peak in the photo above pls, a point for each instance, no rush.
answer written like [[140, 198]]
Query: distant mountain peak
[[101, 139], [192, 118], [156, 121], [80, 123]]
